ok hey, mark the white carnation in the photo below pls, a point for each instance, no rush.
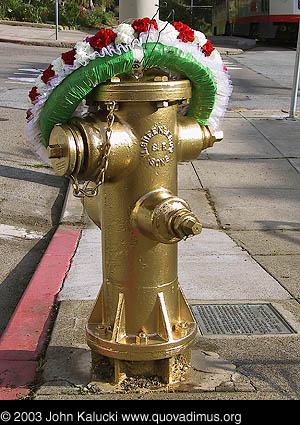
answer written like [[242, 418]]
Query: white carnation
[[138, 53], [58, 65], [149, 36], [125, 34], [199, 38], [215, 56], [40, 85], [84, 52], [168, 33]]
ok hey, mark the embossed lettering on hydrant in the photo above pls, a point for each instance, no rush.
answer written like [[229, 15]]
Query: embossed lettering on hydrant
[[157, 145]]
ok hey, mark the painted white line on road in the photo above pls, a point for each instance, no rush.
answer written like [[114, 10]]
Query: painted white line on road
[[19, 82], [35, 70], [23, 79], [30, 75], [231, 65], [21, 73], [11, 232]]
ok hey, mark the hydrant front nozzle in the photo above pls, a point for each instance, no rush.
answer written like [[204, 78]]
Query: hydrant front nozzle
[[164, 217]]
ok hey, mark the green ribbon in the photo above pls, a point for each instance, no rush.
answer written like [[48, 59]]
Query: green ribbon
[[65, 98], [204, 88]]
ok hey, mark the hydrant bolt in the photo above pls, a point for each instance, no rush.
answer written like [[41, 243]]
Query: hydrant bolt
[[186, 225], [189, 227]]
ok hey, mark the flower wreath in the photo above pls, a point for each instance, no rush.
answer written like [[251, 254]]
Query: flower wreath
[[59, 91]]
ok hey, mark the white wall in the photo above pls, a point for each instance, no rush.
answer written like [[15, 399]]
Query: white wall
[[137, 9]]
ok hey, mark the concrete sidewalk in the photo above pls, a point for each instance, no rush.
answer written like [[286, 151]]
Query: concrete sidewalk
[[246, 193], [41, 35]]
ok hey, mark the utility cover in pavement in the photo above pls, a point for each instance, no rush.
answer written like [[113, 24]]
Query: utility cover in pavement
[[239, 319]]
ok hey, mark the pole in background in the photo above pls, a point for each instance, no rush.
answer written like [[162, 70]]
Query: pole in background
[[296, 79], [56, 19], [227, 25]]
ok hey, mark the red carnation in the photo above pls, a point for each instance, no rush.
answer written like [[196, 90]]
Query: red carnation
[[47, 74], [143, 25], [33, 94], [208, 48], [102, 39], [69, 57], [185, 32], [28, 114]]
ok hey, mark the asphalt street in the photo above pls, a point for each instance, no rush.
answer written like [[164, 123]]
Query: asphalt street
[[31, 196]]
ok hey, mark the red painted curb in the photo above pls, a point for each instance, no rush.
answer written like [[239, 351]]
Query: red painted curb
[[24, 336], [14, 378]]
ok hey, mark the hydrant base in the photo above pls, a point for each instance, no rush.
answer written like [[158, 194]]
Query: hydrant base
[[170, 334], [165, 371]]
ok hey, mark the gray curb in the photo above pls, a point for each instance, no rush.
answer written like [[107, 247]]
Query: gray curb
[[38, 43], [30, 24]]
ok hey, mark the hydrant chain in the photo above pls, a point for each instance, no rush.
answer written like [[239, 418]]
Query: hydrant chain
[[108, 132], [85, 191]]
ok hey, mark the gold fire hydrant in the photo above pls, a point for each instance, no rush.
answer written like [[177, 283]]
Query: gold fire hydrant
[[134, 137]]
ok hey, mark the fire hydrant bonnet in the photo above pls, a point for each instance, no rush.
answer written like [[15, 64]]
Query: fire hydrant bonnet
[[60, 90]]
